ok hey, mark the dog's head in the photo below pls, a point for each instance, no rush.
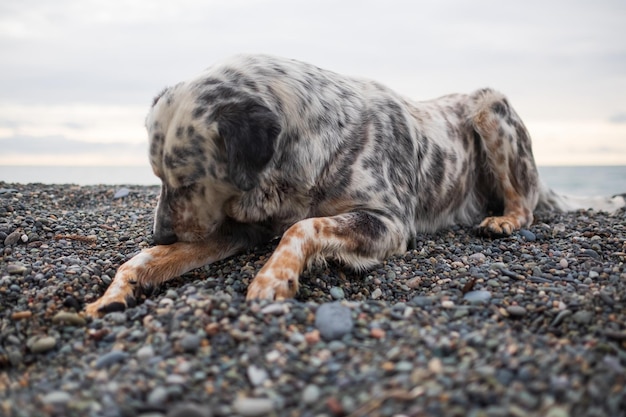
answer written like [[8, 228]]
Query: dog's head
[[206, 150]]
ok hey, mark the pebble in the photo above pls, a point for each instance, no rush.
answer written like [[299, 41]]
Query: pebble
[[121, 193], [110, 358], [311, 394], [256, 375], [43, 344], [528, 235], [12, 238], [16, 269], [157, 397], [64, 317], [337, 293], [516, 311], [478, 296], [253, 407], [376, 294], [190, 343], [56, 397], [582, 317], [333, 320], [189, 410]]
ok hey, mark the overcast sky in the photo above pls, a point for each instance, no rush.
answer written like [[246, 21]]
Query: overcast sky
[[77, 76]]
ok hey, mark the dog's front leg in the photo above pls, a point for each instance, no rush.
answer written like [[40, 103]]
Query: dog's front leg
[[154, 266]]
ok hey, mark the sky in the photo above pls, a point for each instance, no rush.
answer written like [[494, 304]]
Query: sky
[[77, 76]]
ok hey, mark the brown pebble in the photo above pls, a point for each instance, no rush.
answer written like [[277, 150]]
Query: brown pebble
[[20, 315], [377, 333], [312, 337]]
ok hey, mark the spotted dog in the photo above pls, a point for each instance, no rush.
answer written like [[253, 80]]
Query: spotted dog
[[342, 168]]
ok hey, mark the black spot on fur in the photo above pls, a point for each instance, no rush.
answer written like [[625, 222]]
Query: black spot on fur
[[249, 131]]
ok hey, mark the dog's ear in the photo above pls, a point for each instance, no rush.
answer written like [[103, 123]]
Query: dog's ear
[[249, 130]]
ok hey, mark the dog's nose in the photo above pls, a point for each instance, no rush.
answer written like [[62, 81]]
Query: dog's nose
[[164, 238]]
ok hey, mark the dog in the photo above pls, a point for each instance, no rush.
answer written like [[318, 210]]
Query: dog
[[342, 168]]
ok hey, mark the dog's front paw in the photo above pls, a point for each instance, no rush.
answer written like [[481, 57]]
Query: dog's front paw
[[498, 226], [118, 297], [271, 287]]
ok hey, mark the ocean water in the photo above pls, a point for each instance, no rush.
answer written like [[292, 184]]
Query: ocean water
[[572, 180]]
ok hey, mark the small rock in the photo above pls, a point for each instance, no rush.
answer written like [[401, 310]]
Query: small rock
[[333, 320], [145, 352], [12, 238], [43, 344], [593, 274], [253, 407], [56, 397], [110, 358], [65, 317], [563, 263], [16, 268], [527, 235], [157, 396], [582, 317], [190, 343], [376, 294], [479, 257], [516, 311], [190, 410], [478, 296], [256, 375], [337, 293], [311, 394], [121, 193]]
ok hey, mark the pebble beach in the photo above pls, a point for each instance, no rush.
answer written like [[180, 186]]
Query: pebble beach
[[460, 325]]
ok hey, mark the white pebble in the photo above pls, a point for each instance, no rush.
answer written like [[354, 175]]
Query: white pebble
[[24, 238], [376, 294], [252, 407], [563, 262]]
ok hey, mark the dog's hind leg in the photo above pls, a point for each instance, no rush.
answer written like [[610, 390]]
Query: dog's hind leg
[[509, 161], [360, 239]]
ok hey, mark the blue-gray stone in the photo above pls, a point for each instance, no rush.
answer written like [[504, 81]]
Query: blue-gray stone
[[110, 358], [121, 193], [478, 296], [528, 235], [333, 320]]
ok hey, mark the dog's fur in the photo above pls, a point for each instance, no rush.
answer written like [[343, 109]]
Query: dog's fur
[[342, 168]]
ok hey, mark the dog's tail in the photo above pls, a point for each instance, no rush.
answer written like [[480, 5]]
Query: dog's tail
[[551, 200]]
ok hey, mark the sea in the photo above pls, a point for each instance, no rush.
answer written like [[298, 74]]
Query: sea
[[570, 180]]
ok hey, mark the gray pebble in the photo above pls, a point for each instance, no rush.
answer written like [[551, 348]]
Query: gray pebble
[[121, 193], [376, 294], [190, 343], [311, 394], [65, 317], [190, 410], [16, 269], [478, 296], [56, 397], [12, 238], [516, 311], [333, 320], [527, 235], [582, 317], [253, 407], [256, 375], [157, 396], [145, 352], [110, 358], [43, 344], [337, 293]]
